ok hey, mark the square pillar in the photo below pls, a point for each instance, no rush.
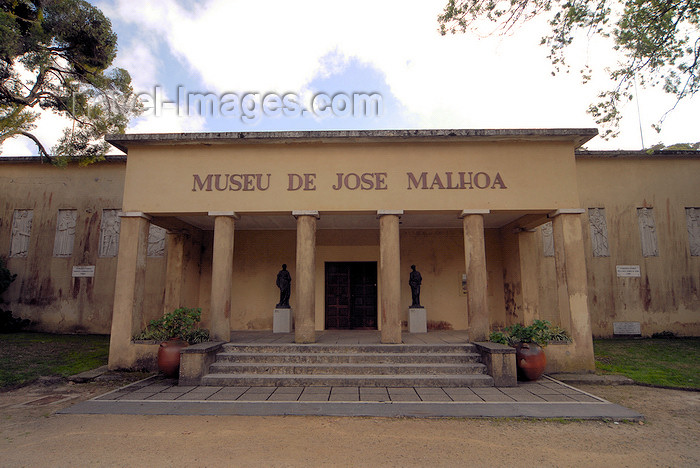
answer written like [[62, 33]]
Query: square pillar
[[390, 275], [475, 263], [129, 288], [304, 314], [174, 270], [572, 282], [222, 274]]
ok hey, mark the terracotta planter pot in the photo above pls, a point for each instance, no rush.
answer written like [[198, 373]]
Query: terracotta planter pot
[[169, 356], [530, 360]]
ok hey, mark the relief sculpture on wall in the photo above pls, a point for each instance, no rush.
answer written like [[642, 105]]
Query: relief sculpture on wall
[[599, 232], [647, 232], [692, 218], [156, 241], [109, 233], [65, 233], [21, 231], [548, 239]]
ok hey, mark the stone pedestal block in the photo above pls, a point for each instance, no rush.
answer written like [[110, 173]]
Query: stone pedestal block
[[282, 321], [417, 320]]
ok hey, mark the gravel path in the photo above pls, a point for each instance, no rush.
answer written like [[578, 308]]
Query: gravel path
[[31, 434]]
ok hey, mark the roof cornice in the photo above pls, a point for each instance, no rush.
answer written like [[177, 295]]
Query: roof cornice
[[577, 136]]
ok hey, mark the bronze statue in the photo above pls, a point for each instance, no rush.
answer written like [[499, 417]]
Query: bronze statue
[[284, 282], [414, 280]]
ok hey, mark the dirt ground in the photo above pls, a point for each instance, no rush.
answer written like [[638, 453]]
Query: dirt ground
[[31, 434]]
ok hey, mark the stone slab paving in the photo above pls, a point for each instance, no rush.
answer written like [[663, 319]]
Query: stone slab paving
[[547, 398]]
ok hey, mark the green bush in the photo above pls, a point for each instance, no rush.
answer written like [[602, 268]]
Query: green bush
[[8, 323], [6, 278], [541, 332], [180, 323]]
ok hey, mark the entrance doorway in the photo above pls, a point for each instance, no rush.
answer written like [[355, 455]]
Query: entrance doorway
[[351, 295]]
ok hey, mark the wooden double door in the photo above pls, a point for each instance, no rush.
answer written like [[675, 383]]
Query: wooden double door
[[351, 295]]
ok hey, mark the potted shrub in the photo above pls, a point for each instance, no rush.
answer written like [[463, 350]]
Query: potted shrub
[[175, 330], [528, 342]]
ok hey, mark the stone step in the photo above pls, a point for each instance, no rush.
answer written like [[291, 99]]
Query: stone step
[[346, 369], [349, 348], [337, 380], [349, 358], [368, 365]]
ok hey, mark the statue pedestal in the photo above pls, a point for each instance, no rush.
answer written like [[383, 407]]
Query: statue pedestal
[[417, 320], [282, 321]]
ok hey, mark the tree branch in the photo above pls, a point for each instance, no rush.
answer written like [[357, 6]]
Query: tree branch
[[42, 151]]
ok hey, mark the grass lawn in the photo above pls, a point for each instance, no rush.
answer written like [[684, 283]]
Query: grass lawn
[[671, 362], [27, 356]]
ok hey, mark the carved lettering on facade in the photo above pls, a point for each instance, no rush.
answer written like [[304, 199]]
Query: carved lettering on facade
[[547, 240], [65, 233], [599, 232], [307, 182], [109, 233], [692, 218], [156, 241], [647, 232], [21, 232], [231, 182], [364, 181], [454, 181]]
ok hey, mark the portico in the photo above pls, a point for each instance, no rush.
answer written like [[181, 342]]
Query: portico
[[238, 206]]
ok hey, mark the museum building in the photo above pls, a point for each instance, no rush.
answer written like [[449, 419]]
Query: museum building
[[504, 226]]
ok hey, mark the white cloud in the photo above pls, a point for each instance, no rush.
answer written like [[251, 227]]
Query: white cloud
[[168, 122], [18, 146], [49, 128], [138, 58], [450, 81]]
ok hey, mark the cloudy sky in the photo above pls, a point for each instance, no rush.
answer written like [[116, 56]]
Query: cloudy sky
[[249, 49]]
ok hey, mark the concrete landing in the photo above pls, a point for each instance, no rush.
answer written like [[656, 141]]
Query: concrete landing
[[546, 398]]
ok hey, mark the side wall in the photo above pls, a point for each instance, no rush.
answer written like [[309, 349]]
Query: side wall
[[666, 296], [45, 291]]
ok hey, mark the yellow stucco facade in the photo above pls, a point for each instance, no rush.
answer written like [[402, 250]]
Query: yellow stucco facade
[[466, 207]]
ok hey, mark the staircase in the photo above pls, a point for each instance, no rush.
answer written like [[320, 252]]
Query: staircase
[[368, 365]]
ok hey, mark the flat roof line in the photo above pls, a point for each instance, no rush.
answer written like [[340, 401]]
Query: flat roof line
[[110, 158], [578, 135], [637, 154]]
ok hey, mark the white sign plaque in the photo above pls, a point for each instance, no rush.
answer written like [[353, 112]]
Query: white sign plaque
[[627, 328], [84, 271], [628, 271]]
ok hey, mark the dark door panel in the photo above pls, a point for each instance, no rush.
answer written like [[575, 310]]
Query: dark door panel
[[351, 295]]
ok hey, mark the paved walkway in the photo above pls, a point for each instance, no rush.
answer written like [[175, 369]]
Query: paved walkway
[[546, 398]]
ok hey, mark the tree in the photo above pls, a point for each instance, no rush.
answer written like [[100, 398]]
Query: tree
[[56, 55], [658, 39]]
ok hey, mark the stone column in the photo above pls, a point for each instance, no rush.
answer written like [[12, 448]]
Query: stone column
[[305, 312], [390, 275], [174, 270], [529, 280], [570, 259], [475, 263], [222, 274], [129, 288]]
